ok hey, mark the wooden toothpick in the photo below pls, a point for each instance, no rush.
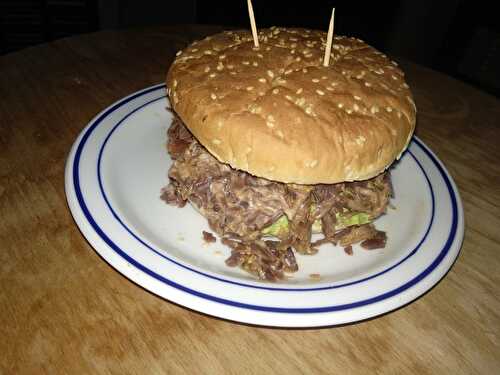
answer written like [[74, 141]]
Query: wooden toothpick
[[328, 48], [252, 24]]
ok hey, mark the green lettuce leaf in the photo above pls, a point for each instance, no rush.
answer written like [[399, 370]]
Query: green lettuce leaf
[[280, 227], [277, 229], [344, 221]]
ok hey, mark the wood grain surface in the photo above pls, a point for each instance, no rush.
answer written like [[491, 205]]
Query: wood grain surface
[[63, 310]]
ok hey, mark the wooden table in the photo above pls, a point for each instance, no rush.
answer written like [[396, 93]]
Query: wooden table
[[64, 310]]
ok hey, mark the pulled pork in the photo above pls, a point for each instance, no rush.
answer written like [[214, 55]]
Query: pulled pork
[[238, 206]]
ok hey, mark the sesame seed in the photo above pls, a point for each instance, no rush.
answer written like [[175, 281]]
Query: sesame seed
[[329, 88], [255, 108], [313, 163], [270, 118], [194, 50], [230, 66], [281, 71], [263, 80], [212, 75], [255, 63], [270, 73], [175, 83], [292, 51], [319, 92], [178, 53], [299, 91], [308, 110], [399, 114], [308, 55], [275, 91], [220, 66], [245, 62], [216, 141], [349, 110], [300, 102], [287, 72], [368, 84], [340, 105], [232, 73], [208, 52], [207, 69], [268, 48], [355, 107], [213, 96], [279, 133], [249, 88], [360, 140], [374, 109], [261, 93], [315, 80], [222, 57], [269, 124], [405, 86], [324, 77], [394, 77], [298, 58], [357, 97], [288, 97], [388, 109], [333, 84], [304, 70], [260, 56]]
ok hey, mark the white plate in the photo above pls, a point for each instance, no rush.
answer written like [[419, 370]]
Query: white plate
[[114, 174]]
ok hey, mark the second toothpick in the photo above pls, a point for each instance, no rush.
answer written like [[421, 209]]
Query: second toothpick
[[329, 38]]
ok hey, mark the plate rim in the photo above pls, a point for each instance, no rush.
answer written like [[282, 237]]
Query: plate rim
[[72, 186]]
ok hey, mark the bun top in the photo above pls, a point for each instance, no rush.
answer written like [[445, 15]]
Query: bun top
[[278, 113]]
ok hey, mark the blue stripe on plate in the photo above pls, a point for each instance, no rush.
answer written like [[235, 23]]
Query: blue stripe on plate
[[123, 254]]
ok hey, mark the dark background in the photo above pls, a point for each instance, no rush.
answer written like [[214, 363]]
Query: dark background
[[458, 37]]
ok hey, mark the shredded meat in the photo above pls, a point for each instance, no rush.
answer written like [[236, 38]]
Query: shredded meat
[[348, 250], [208, 237], [238, 206], [375, 242], [179, 138], [171, 196], [267, 260]]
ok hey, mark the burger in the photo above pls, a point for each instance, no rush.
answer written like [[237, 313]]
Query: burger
[[272, 146]]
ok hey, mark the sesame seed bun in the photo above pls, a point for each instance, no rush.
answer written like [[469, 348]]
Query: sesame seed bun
[[278, 113]]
